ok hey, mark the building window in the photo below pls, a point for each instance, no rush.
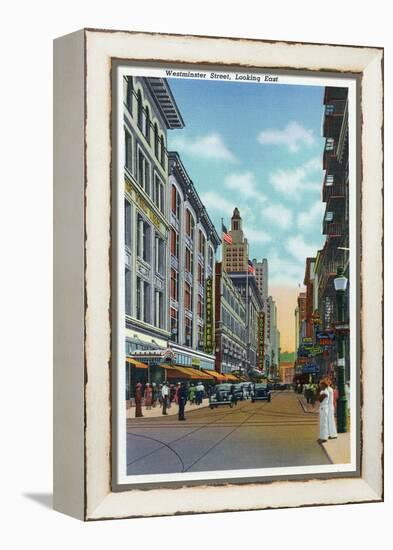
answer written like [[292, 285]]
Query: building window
[[159, 199], [329, 109], [210, 258], [188, 332], [187, 296], [159, 255], [143, 240], [201, 342], [200, 306], [143, 172], [174, 325], [140, 111], [201, 243], [127, 223], [147, 124], [329, 217], [329, 180], [159, 309], [162, 160], [174, 243], [190, 225], [156, 140], [129, 93], [329, 144], [235, 224], [142, 300], [127, 283], [174, 285], [189, 261], [175, 202], [201, 274], [128, 150]]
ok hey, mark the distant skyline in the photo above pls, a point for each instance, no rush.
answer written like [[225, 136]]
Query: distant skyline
[[258, 147]]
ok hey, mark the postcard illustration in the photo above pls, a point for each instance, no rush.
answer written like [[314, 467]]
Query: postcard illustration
[[237, 274]]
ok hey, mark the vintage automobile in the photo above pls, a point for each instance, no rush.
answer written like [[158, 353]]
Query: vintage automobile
[[240, 391], [222, 394], [261, 392]]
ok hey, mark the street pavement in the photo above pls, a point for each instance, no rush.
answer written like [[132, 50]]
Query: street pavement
[[250, 435]]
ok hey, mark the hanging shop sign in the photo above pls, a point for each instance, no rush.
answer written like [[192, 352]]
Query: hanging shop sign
[[209, 316], [261, 340]]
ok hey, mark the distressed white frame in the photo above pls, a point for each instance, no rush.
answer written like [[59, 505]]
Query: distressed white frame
[[82, 382]]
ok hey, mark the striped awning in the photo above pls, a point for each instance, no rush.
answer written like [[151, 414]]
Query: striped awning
[[232, 378], [188, 373], [137, 364], [217, 375]]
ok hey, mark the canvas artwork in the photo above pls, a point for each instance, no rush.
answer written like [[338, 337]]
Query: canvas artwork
[[237, 280]]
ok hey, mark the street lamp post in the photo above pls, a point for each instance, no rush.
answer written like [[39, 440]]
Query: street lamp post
[[340, 285]]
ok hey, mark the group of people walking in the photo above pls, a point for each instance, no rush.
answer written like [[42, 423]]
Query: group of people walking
[[164, 395]]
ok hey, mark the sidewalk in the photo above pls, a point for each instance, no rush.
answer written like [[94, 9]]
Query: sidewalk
[[338, 450], [156, 411]]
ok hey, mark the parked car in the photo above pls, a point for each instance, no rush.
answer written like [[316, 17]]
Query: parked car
[[280, 386], [261, 392], [222, 394]]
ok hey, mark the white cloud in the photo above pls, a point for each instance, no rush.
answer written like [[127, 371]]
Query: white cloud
[[246, 184], [214, 201], [285, 272], [278, 215], [311, 217], [256, 236], [210, 146], [294, 181], [299, 248], [292, 136]]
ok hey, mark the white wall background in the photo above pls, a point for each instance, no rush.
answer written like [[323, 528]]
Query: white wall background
[[26, 266]]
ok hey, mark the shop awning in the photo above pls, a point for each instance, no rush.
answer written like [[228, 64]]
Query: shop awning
[[188, 373], [232, 378], [217, 376], [136, 363]]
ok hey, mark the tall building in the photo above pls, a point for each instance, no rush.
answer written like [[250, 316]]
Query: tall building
[[335, 195], [262, 280], [273, 336], [246, 286], [193, 245], [235, 254], [149, 111], [309, 280], [231, 347]]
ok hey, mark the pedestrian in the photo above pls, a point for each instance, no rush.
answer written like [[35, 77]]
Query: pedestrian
[[175, 397], [165, 397], [233, 395], [348, 395], [191, 394], [323, 412], [313, 393], [181, 399], [148, 396], [200, 390], [159, 395], [331, 411], [307, 393], [154, 396], [138, 400]]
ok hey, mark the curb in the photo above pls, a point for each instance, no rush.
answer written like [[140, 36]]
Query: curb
[[304, 407]]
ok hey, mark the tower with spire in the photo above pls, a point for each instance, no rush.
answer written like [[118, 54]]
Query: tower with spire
[[235, 253]]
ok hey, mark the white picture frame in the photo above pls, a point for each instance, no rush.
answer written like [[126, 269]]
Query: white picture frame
[[83, 405]]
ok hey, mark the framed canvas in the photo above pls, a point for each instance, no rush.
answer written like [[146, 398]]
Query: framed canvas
[[218, 251]]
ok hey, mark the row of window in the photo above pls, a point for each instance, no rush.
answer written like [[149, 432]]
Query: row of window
[[232, 301], [148, 180], [229, 321], [188, 330], [145, 293], [144, 122]]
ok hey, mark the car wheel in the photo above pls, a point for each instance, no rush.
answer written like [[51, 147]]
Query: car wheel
[[252, 400], [231, 405], [212, 407]]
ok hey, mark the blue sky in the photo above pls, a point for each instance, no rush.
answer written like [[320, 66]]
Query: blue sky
[[257, 147]]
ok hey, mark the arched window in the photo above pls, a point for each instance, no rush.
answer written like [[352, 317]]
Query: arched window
[[156, 141], [162, 160], [130, 92], [140, 110], [147, 124]]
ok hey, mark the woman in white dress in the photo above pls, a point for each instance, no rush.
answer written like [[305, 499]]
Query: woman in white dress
[[323, 413], [331, 410]]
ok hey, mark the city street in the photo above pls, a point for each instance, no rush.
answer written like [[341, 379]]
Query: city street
[[250, 435]]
